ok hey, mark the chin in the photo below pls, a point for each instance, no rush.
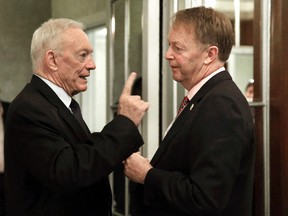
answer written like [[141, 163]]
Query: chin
[[84, 89], [176, 78]]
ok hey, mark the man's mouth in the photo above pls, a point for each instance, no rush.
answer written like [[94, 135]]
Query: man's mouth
[[173, 66]]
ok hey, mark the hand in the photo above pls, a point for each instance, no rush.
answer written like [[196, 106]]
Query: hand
[[136, 168], [132, 106]]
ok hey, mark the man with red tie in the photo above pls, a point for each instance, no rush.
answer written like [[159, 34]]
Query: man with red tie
[[204, 165]]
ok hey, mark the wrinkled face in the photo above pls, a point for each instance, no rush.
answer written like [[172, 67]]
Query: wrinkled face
[[186, 56], [74, 62]]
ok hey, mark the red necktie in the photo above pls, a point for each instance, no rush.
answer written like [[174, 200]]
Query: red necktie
[[184, 102]]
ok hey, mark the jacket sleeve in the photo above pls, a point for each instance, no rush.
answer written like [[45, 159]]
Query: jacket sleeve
[[42, 144]]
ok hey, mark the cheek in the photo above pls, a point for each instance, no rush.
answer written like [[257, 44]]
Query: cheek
[[182, 60], [195, 60], [186, 63], [71, 63]]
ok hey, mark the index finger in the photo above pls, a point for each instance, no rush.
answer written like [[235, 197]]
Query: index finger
[[129, 84]]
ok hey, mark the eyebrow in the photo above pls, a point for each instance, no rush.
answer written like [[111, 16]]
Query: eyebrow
[[85, 49]]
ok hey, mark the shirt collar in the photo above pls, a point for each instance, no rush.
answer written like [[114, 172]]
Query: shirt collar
[[63, 96], [196, 88]]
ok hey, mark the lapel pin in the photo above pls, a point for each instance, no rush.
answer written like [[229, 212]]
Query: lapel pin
[[191, 107]]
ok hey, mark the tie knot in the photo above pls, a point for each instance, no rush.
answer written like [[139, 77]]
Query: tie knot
[[75, 108], [74, 104], [185, 100]]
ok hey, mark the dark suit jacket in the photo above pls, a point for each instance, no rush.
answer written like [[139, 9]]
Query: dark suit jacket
[[54, 167], [204, 166]]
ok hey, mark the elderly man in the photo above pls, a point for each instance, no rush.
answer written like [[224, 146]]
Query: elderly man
[[55, 166]]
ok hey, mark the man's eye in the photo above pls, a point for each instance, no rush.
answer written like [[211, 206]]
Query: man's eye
[[83, 55], [177, 49]]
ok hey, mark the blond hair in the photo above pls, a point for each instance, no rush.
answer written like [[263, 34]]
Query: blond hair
[[211, 28]]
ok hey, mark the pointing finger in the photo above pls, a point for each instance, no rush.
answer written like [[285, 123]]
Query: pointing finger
[[129, 84]]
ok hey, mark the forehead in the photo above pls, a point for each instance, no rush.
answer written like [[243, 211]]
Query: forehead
[[180, 34], [76, 38]]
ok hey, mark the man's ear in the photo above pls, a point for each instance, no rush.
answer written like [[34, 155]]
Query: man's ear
[[50, 59], [212, 54]]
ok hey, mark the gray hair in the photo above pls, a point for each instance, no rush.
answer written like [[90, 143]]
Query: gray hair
[[49, 37]]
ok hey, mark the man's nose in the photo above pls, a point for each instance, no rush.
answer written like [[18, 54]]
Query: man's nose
[[168, 54], [91, 64]]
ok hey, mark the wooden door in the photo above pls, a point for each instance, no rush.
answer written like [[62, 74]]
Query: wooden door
[[279, 109]]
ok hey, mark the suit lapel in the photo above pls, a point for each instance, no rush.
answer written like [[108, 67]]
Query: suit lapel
[[175, 128], [190, 112], [63, 111]]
